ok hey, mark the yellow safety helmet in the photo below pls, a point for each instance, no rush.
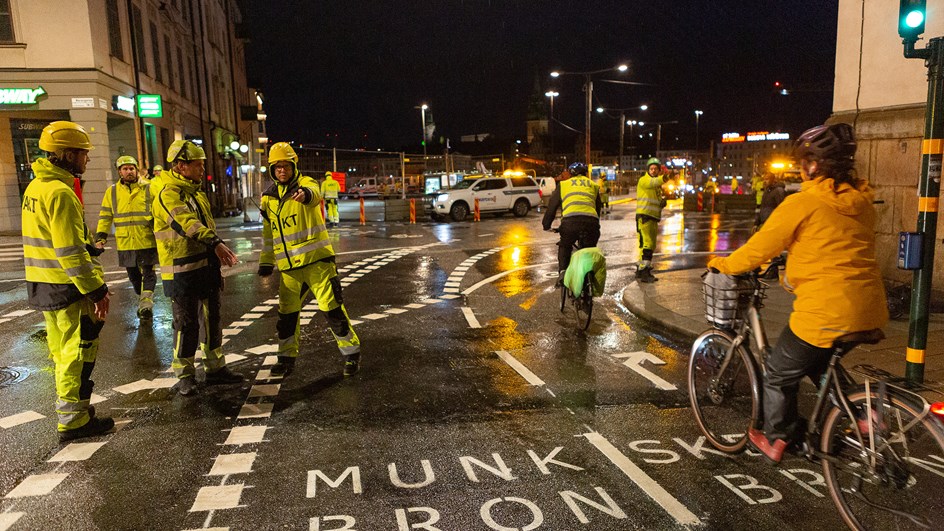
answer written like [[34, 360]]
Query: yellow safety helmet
[[328, 174], [64, 135], [125, 160], [282, 151], [157, 168], [185, 150]]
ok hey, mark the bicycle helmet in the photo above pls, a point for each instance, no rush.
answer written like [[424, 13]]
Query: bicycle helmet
[[577, 168], [826, 142]]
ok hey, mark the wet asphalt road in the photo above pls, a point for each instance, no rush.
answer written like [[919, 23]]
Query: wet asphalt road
[[479, 406]]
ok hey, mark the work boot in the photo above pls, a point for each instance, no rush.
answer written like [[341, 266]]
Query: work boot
[[223, 376], [146, 305], [773, 451], [352, 364], [95, 426], [283, 367], [186, 386], [645, 275]]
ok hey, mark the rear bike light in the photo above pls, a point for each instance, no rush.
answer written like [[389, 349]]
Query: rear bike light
[[938, 409]]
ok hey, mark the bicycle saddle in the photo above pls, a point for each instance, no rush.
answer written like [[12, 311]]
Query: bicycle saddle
[[847, 342]]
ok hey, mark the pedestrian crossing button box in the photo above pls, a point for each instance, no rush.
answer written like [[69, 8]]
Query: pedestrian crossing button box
[[909, 250]]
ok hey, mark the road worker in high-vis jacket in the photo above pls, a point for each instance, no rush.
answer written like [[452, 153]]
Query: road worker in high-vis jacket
[[63, 278], [127, 205], [295, 238], [191, 255], [331, 188], [649, 202]]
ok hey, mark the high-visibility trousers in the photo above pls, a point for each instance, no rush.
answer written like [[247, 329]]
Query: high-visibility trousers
[[321, 280], [332, 208], [648, 229], [72, 336], [197, 318]]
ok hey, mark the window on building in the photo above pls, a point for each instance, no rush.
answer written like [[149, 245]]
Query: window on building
[[182, 89], [156, 54], [114, 30], [169, 60], [139, 38], [6, 22]]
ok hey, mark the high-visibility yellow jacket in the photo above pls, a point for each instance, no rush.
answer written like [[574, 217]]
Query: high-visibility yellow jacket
[[155, 185], [757, 186], [129, 207], [579, 197], [649, 196], [293, 234], [832, 269], [186, 237], [330, 188], [56, 242]]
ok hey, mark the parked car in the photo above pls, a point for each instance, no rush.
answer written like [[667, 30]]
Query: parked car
[[495, 194], [365, 187]]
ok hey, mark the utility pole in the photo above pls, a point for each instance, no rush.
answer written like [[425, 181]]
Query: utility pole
[[622, 129], [588, 88], [911, 25]]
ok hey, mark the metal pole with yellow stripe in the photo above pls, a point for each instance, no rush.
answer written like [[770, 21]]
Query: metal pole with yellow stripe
[[929, 188]]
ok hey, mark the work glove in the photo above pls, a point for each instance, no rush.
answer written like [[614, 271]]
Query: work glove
[[265, 270]]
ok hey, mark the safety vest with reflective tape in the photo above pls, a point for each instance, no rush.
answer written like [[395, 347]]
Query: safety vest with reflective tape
[[649, 196], [186, 237], [128, 206], [579, 197], [293, 234], [59, 268], [330, 188]]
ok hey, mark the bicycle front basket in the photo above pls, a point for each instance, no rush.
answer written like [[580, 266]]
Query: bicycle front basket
[[724, 296]]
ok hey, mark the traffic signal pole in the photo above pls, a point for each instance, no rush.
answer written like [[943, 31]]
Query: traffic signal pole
[[929, 188]]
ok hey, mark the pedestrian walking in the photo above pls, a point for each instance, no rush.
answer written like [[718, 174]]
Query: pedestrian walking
[[649, 203], [578, 198], [127, 205], [63, 278], [330, 188], [295, 238], [191, 255], [604, 187]]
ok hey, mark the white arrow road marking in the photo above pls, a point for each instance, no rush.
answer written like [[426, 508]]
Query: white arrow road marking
[[634, 361]]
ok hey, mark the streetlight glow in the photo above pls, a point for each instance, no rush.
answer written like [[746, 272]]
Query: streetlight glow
[[424, 107], [552, 94], [555, 74], [622, 68], [600, 109], [643, 107]]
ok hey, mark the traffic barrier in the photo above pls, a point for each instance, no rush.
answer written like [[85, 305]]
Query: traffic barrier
[[413, 211], [363, 220], [713, 202], [701, 202], [478, 215]]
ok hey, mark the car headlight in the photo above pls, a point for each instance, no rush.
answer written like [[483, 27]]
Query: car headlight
[[442, 198]]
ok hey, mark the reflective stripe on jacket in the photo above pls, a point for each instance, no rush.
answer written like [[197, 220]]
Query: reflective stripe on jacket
[[293, 234], [186, 237], [832, 267], [649, 197], [128, 206], [579, 196], [330, 188], [59, 268]]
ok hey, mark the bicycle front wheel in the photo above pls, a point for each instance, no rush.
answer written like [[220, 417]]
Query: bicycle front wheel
[[893, 483], [724, 390]]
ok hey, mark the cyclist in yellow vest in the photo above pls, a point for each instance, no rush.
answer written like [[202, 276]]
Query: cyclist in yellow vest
[[648, 214], [578, 197], [63, 279], [295, 238], [191, 255], [127, 204], [330, 189]]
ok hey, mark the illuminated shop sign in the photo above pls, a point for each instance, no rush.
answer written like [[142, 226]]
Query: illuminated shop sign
[[150, 106], [121, 103], [753, 136], [728, 138], [20, 96]]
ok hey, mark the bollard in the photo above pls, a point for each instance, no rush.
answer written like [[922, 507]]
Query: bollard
[[712, 202], [363, 219], [477, 216], [701, 203], [413, 211]]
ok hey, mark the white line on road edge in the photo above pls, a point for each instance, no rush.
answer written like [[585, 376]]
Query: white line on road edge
[[519, 368], [470, 317], [493, 278], [655, 491]]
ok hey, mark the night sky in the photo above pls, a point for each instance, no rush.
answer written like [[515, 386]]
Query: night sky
[[357, 69]]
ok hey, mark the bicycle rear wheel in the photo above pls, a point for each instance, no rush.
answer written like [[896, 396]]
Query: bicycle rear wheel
[[583, 305], [897, 485], [725, 403], [563, 290]]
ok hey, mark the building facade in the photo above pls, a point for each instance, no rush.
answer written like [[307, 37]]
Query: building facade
[[88, 60], [741, 156]]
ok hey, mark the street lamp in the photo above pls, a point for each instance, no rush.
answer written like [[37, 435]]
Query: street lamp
[[623, 124], [422, 109], [697, 116], [551, 94], [588, 88]]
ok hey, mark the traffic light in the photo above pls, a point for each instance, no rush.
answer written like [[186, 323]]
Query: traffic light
[[911, 17]]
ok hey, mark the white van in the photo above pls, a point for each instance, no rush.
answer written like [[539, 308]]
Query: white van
[[496, 194]]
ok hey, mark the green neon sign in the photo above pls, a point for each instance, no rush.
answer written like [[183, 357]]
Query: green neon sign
[[150, 106], [20, 96]]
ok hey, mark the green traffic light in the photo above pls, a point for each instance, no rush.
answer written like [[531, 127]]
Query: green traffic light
[[914, 19]]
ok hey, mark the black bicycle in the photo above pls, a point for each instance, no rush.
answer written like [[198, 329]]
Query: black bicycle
[[582, 303], [881, 444]]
